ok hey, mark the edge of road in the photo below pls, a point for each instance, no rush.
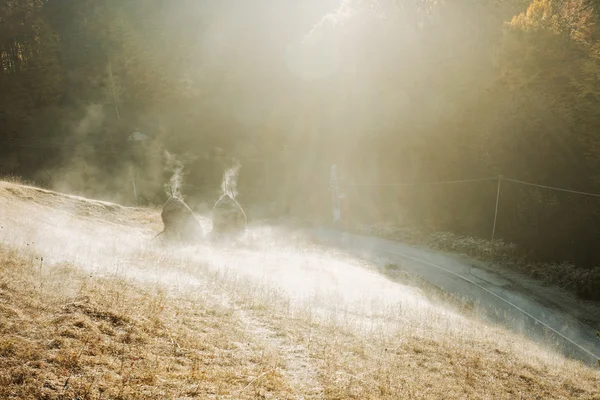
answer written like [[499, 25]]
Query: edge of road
[[459, 275]]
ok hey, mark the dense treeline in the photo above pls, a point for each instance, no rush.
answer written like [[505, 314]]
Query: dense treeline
[[391, 91]]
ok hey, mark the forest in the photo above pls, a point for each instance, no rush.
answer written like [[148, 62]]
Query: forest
[[395, 92]]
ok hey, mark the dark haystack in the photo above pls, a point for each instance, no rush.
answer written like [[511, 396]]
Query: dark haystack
[[228, 216], [179, 221]]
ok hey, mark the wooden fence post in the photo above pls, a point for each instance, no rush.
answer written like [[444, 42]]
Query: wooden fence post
[[497, 202]]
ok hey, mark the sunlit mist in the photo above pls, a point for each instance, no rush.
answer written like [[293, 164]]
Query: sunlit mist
[[299, 199], [268, 265]]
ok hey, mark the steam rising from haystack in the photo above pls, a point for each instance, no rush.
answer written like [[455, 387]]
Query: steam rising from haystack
[[175, 166], [178, 218], [227, 214], [230, 179]]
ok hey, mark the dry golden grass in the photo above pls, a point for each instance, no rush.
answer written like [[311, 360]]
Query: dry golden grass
[[168, 324], [64, 335], [418, 362]]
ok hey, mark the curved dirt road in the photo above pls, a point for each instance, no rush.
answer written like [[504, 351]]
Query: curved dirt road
[[498, 299]]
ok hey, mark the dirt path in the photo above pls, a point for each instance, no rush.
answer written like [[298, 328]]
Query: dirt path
[[297, 366]]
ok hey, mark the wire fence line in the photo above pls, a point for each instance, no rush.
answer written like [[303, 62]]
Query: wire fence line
[[422, 183], [499, 179], [103, 148], [552, 187], [474, 180]]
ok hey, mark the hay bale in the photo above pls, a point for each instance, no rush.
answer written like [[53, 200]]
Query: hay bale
[[179, 221], [228, 216]]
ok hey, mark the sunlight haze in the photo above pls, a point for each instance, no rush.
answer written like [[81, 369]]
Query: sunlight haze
[[317, 199]]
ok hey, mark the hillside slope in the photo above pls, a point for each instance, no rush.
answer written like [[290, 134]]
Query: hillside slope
[[558, 321], [91, 308]]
